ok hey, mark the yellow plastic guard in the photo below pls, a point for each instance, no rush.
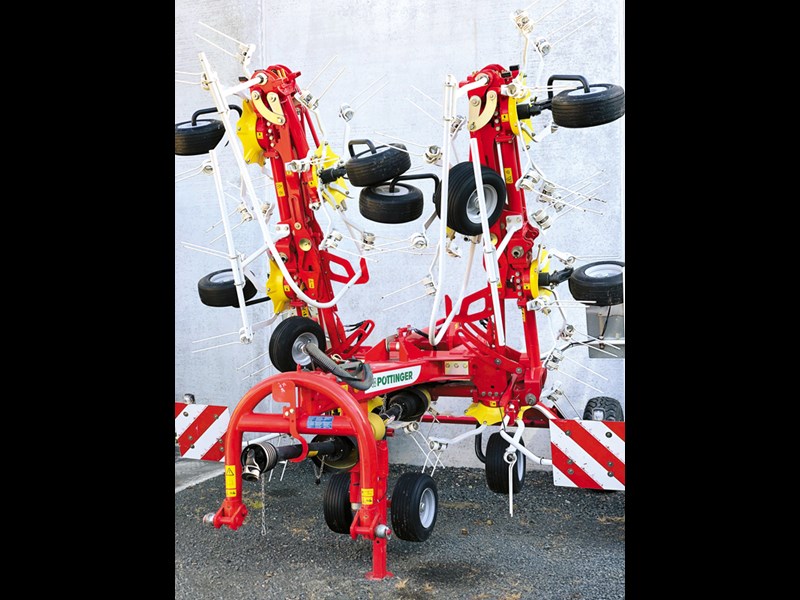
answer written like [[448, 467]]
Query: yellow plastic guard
[[275, 291], [246, 130], [378, 426], [487, 414], [534, 278], [373, 403], [484, 414], [329, 159], [513, 116]]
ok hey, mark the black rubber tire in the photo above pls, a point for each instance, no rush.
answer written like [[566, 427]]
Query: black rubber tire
[[461, 207], [388, 162], [497, 467], [198, 139], [284, 337], [376, 203], [217, 289], [594, 282], [611, 408], [407, 497], [336, 503], [604, 103]]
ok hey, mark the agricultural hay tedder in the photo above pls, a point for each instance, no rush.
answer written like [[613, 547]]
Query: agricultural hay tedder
[[340, 398]]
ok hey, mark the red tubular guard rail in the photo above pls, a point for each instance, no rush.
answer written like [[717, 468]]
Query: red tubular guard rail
[[371, 470]]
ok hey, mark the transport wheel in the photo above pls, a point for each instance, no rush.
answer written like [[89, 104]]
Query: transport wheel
[[373, 167], [598, 281], [603, 408], [377, 203], [463, 214], [605, 102], [336, 503], [497, 467], [204, 135], [285, 345], [415, 501], [218, 289]]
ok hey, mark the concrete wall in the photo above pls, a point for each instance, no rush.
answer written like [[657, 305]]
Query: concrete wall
[[415, 44]]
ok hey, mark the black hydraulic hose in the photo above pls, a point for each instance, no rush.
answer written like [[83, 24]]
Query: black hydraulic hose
[[478, 446], [325, 362]]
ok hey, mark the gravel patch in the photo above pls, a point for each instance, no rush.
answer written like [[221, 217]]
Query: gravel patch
[[561, 544]]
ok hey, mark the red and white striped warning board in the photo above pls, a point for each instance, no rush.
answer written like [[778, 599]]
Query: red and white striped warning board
[[200, 430], [588, 454]]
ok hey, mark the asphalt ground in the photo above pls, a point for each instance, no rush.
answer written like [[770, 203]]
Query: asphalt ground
[[561, 544]]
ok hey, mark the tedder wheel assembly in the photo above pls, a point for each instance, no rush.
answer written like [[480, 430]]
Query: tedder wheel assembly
[[600, 282], [497, 467], [218, 289], [377, 164], [288, 339], [603, 103], [382, 204], [415, 501], [336, 503], [204, 135], [463, 214], [603, 408]]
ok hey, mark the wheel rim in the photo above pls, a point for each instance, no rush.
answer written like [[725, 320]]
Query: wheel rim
[[592, 90], [298, 356], [384, 190], [520, 466], [598, 414], [427, 507], [604, 270], [473, 206], [225, 277]]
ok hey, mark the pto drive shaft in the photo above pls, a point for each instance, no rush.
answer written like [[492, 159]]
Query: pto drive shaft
[[259, 458]]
